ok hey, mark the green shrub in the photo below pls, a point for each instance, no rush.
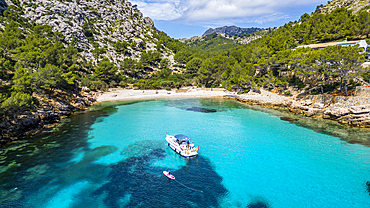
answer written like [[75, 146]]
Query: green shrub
[[287, 93], [18, 99], [123, 84]]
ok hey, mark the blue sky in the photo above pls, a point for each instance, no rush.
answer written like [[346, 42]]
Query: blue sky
[[187, 18]]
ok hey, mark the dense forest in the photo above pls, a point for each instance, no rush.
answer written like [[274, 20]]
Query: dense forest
[[36, 61]]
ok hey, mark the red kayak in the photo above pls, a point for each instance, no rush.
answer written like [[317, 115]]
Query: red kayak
[[168, 175]]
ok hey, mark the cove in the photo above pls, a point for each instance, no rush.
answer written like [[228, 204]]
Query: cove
[[114, 155]]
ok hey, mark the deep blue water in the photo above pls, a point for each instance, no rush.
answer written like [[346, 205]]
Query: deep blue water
[[114, 157]]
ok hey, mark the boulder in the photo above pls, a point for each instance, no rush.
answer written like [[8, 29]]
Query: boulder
[[335, 112], [360, 109], [319, 105]]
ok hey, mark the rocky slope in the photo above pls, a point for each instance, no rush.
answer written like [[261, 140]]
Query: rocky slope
[[355, 5], [96, 25], [231, 30]]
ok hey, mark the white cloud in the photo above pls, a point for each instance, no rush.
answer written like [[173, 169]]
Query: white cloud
[[218, 12], [160, 10]]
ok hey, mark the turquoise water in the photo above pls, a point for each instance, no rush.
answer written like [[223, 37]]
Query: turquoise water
[[114, 157]]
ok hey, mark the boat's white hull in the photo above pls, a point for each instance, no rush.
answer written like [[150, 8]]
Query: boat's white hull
[[185, 152]]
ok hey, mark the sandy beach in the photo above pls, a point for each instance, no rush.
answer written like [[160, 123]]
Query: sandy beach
[[129, 94]]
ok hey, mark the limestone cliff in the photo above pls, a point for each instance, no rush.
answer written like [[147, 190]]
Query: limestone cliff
[[95, 25], [355, 5]]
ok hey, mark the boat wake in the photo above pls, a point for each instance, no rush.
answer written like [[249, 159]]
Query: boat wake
[[187, 186]]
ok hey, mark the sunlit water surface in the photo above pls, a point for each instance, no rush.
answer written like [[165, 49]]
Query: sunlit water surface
[[114, 157]]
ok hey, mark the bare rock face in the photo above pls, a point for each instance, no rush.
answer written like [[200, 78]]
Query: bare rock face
[[334, 113], [354, 5], [92, 24]]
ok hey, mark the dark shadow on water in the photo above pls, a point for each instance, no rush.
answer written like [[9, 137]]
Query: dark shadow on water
[[202, 110], [134, 177]]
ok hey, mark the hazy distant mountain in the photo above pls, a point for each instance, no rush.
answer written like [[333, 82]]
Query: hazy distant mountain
[[231, 30]]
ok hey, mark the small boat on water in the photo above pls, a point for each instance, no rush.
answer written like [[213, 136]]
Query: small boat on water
[[181, 144], [168, 175]]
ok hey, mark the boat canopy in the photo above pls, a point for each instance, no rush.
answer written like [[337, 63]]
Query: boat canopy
[[181, 138]]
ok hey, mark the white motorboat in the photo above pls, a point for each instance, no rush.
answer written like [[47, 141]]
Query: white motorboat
[[181, 144]]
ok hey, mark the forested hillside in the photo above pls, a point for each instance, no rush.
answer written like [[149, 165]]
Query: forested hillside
[[271, 61]]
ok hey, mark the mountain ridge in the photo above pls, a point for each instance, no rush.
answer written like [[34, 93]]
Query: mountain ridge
[[231, 30]]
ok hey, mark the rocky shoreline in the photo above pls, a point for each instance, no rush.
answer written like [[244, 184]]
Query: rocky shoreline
[[16, 124], [351, 110]]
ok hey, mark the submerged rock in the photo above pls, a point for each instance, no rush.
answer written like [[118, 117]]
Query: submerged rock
[[288, 119], [368, 187], [258, 202], [202, 110], [258, 205]]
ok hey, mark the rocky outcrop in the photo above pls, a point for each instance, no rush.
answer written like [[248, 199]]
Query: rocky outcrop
[[95, 25], [352, 110], [18, 123], [231, 30], [354, 5]]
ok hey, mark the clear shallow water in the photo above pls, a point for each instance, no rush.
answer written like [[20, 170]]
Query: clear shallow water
[[114, 157]]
